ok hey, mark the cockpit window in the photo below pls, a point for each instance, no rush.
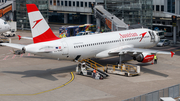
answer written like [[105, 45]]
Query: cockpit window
[[5, 22]]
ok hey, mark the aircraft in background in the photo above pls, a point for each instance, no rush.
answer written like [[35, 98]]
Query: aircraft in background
[[4, 26], [119, 43]]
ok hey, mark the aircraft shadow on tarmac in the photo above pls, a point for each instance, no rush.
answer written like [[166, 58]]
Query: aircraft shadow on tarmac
[[45, 74], [39, 57], [150, 71]]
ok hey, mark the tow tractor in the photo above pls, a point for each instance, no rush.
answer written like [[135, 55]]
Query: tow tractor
[[86, 67], [124, 69]]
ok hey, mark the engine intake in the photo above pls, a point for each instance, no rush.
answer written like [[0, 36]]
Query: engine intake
[[140, 57]]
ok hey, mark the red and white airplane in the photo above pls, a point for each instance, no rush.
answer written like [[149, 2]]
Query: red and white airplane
[[108, 44]]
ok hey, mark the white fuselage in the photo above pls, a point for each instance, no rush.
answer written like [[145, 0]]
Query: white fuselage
[[89, 46]]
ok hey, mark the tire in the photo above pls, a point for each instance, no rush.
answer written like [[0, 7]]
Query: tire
[[101, 78], [106, 70], [126, 74], [81, 73]]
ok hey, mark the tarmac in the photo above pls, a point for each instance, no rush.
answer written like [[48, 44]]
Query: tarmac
[[29, 77]]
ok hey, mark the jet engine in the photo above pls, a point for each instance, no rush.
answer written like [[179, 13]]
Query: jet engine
[[144, 57]]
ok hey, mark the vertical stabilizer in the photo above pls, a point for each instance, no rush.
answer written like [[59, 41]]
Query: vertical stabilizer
[[41, 31]]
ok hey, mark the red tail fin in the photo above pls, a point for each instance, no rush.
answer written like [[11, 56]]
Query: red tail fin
[[41, 31]]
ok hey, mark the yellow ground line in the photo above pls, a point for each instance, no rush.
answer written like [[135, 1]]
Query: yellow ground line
[[72, 78]]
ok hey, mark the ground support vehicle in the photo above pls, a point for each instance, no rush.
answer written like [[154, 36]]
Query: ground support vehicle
[[124, 69], [163, 42], [18, 52], [4, 40], [86, 67], [9, 34]]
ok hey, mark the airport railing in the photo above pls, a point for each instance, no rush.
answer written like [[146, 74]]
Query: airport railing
[[172, 91], [94, 64]]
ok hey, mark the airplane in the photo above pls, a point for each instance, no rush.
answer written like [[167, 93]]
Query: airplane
[[4, 26], [118, 43]]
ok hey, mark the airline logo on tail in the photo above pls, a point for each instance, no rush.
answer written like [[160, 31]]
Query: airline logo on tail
[[36, 22], [41, 31]]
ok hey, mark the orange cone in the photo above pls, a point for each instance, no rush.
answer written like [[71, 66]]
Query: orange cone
[[152, 62]]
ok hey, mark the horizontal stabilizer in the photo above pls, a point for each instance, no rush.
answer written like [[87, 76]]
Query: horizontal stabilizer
[[30, 38], [20, 37], [18, 46]]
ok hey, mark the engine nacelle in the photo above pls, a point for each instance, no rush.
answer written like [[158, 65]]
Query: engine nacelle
[[144, 57], [139, 57]]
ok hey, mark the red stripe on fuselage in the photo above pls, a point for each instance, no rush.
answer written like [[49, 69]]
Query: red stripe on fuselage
[[46, 36], [148, 58], [31, 8]]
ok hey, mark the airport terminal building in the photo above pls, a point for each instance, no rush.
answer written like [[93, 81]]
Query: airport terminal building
[[79, 12]]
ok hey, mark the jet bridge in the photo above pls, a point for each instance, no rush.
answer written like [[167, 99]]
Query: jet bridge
[[112, 22]]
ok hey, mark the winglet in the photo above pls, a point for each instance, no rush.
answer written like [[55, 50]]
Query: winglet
[[19, 37], [172, 54]]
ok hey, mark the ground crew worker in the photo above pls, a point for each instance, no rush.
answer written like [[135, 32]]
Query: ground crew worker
[[94, 73], [102, 30], [155, 59]]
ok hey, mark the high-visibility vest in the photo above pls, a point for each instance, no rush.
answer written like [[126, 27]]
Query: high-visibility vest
[[94, 71], [155, 57]]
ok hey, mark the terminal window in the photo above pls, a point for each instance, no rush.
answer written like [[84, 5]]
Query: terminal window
[[81, 4], [73, 3], [90, 4], [157, 7], [61, 3], [85, 4], [162, 7], [77, 3], [70, 3], [50, 2], [65, 3], [54, 2], [171, 6], [58, 2]]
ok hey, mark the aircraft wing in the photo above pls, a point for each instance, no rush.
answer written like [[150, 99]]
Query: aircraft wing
[[129, 49], [18, 46], [139, 51]]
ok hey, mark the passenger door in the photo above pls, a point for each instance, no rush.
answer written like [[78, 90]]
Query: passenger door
[[152, 36]]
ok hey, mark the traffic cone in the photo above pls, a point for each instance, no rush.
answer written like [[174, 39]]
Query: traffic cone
[[152, 62]]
